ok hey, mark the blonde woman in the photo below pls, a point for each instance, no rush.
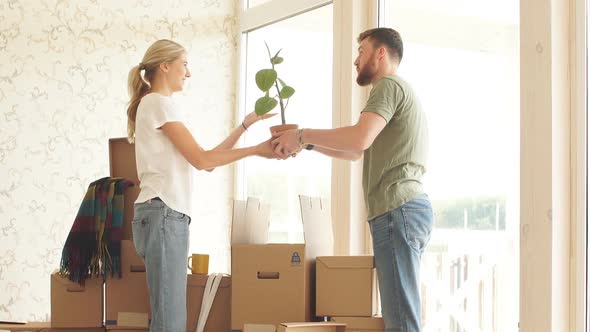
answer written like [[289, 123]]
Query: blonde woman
[[165, 152]]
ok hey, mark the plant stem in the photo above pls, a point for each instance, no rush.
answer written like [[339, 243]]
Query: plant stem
[[280, 102]]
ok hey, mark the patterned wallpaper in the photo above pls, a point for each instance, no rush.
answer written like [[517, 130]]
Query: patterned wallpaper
[[63, 72]]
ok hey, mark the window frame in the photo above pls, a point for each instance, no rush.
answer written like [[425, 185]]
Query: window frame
[[580, 312], [350, 18]]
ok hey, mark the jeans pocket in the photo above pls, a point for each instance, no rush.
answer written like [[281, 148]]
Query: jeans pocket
[[140, 231], [380, 230], [418, 226]]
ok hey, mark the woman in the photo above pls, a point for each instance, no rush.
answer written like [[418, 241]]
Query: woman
[[165, 152]]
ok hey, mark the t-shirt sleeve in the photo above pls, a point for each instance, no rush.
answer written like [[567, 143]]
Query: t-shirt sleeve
[[163, 111], [384, 99]]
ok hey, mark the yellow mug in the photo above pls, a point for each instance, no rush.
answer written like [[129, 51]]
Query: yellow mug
[[200, 263]]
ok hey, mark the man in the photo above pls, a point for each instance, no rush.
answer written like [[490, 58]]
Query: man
[[392, 133]]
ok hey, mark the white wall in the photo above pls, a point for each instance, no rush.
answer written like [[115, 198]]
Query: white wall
[[63, 73]]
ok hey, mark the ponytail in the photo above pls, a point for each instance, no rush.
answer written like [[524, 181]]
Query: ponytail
[[139, 85], [138, 88]]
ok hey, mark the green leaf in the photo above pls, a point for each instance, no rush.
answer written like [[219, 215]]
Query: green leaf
[[276, 60], [279, 51], [265, 78], [286, 92], [264, 105], [283, 84]]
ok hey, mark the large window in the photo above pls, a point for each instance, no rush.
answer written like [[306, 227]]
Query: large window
[[464, 65], [305, 41]]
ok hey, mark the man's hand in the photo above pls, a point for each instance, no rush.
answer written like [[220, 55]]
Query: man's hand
[[285, 143], [252, 118], [266, 150]]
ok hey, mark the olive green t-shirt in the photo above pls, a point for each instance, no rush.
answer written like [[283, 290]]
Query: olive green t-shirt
[[394, 164]]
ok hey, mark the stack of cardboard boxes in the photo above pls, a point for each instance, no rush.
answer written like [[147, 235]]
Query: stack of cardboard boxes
[[125, 301], [273, 283], [273, 286]]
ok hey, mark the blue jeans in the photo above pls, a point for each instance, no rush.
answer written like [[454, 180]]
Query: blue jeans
[[161, 238], [399, 239]]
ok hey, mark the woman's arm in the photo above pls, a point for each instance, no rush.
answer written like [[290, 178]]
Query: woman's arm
[[202, 159], [237, 132]]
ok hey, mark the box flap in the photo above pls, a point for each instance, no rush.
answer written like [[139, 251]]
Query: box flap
[[317, 227], [122, 159], [347, 262], [250, 222], [361, 323], [199, 280]]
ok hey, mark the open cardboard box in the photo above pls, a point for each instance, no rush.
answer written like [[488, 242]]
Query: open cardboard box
[[219, 316], [274, 283]]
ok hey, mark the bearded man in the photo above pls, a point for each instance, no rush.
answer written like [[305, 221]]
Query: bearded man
[[392, 136]]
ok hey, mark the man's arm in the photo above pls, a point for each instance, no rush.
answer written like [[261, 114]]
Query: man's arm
[[344, 155], [353, 139]]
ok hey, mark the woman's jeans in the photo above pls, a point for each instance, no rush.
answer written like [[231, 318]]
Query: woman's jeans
[[399, 239], [161, 238]]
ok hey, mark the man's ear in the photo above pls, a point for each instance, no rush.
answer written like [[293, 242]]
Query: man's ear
[[164, 67], [381, 52]]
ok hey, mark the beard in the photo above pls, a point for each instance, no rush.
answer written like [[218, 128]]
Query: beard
[[365, 75]]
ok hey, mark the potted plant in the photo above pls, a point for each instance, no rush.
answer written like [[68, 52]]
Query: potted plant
[[267, 80]]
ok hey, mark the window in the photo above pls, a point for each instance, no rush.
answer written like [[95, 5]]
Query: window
[[305, 41], [464, 66]]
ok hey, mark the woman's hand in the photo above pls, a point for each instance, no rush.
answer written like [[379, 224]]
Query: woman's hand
[[252, 118], [266, 150]]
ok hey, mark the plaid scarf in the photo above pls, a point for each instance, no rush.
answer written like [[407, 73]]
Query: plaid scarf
[[93, 246]]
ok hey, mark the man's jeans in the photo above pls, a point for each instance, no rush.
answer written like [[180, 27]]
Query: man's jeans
[[161, 238], [399, 239]]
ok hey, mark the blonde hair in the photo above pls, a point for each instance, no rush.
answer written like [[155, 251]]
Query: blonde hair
[[161, 51]]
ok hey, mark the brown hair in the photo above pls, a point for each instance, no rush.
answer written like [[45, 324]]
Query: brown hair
[[385, 37], [159, 52]]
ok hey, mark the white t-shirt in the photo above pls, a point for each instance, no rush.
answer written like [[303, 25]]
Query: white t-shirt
[[163, 171]]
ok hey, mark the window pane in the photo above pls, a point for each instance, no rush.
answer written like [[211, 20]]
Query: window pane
[[464, 65], [306, 46]]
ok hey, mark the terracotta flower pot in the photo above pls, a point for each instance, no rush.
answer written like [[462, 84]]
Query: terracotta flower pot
[[284, 127]]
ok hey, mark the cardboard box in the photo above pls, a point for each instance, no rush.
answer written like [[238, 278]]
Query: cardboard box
[[73, 305], [45, 327], [312, 327], [344, 286], [259, 328], [270, 284], [122, 164], [274, 283], [219, 319], [361, 324], [127, 297]]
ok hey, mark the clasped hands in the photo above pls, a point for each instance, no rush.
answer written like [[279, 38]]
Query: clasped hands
[[286, 143], [282, 144]]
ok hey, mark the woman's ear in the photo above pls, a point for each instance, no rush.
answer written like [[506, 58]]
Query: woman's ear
[[164, 67]]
